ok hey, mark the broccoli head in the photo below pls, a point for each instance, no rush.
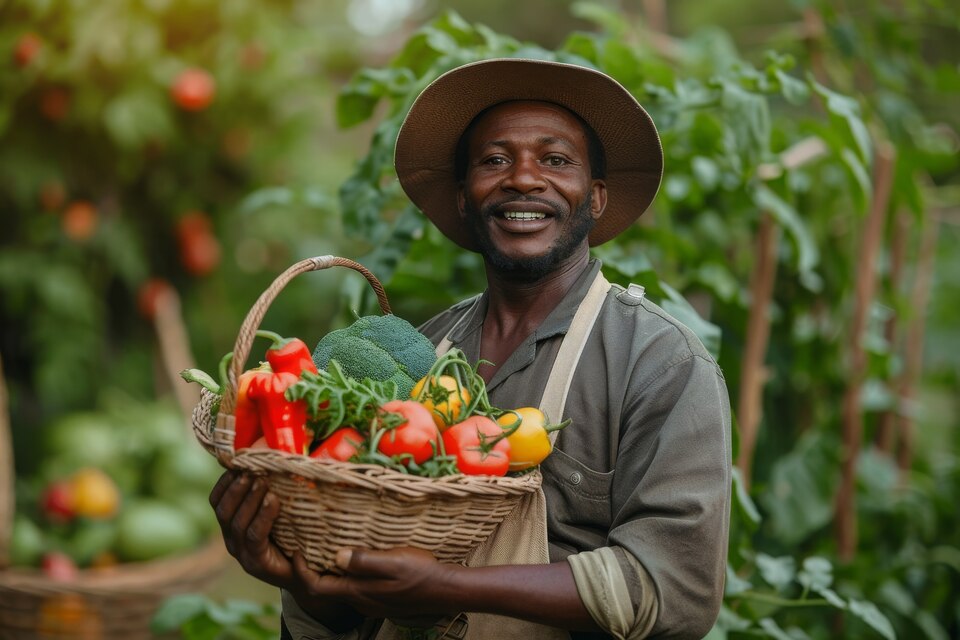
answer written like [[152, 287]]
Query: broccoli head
[[384, 348]]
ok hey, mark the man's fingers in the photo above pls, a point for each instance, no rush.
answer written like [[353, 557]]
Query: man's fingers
[[257, 531], [366, 563], [220, 488], [247, 509], [315, 583]]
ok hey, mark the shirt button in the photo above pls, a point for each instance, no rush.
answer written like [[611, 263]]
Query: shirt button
[[576, 477]]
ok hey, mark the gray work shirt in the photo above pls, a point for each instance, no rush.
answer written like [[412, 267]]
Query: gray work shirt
[[645, 463]]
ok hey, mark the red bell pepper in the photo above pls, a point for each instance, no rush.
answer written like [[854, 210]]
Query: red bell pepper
[[288, 354], [342, 444], [283, 421], [246, 416]]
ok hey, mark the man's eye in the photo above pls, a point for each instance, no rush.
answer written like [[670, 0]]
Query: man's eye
[[495, 160], [556, 161]]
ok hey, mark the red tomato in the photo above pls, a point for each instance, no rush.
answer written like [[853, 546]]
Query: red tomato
[[416, 437], [79, 220], [193, 89], [27, 48], [199, 247], [479, 446], [341, 445], [55, 103], [57, 502]]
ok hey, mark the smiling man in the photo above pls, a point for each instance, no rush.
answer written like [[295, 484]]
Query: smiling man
[[531, 163]]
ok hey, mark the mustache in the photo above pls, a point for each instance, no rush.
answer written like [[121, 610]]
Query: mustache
[[491, 208]]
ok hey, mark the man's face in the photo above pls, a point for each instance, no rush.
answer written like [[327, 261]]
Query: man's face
[[528, 195]]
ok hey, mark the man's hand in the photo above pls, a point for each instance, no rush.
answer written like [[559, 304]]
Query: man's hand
[[403, 584], [246, 513]]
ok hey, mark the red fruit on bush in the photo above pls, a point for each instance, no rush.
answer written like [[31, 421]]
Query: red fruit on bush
[[27, 48], [55, 103], [193, 89], [57, 502], [199, 247], [79, 220]]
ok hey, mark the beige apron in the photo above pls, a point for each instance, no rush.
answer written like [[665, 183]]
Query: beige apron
[[522, 536]]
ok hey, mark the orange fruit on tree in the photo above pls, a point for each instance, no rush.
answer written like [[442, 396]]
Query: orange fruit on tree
[[193, 89], [79, 220]]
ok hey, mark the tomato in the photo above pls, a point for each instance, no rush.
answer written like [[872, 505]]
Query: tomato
[[416, 437], [193, 89], [57, 502], [342, 444], [446, 399], [27, 48], [199, 247], [79, 220], [55, 103], [95, 495], [530, 441], [479, 446]]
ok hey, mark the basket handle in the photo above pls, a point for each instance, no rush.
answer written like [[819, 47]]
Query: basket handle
[[248, 330]]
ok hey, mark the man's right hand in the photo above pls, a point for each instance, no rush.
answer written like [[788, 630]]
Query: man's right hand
[[246, 512]]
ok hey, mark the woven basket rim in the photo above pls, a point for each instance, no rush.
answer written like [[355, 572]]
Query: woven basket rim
[[130, 578]]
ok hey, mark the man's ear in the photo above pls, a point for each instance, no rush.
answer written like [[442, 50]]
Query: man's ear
[[461, 201], [599, 201]]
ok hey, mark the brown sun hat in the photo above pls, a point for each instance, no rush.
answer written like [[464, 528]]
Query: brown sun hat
[[426, 144]]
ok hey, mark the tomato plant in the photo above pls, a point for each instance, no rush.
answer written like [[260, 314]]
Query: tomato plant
[[479, 445]]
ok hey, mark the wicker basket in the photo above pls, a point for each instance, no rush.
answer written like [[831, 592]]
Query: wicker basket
[[327, 505], [100, 604]]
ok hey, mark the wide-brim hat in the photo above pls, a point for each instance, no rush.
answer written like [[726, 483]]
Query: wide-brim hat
[[427, 141]]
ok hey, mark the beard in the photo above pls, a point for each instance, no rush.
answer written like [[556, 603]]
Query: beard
[[532, 268]]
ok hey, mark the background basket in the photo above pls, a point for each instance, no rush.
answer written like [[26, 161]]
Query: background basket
[[99, 604], [327, 505]]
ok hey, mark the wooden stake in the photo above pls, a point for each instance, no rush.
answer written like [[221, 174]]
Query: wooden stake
[[886, 427], [852, 420], [913, 351], [753, 374]]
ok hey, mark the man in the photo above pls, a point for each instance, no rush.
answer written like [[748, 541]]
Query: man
[[531, 163]]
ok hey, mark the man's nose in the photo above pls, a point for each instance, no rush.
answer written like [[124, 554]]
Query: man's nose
[[524, 176]]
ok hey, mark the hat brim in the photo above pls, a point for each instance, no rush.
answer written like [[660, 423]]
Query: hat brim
[[427, 141]]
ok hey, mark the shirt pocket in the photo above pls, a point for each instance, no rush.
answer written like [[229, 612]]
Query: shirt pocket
[[577, 495]]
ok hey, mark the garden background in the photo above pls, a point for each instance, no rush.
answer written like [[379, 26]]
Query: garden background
[[161, 161]]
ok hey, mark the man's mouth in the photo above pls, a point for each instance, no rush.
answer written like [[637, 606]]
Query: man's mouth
[[524, 215]]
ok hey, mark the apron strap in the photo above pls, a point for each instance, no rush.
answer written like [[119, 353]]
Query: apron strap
[[554, 398]]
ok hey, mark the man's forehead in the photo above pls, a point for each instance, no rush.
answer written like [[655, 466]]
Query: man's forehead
[[514, 110]]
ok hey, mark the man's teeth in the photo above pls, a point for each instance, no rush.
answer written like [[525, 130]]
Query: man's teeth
[[524, 215]]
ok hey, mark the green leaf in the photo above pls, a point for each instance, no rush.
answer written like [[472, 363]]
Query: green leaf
[[794, 90], [678, 306], [860, 179], [773, 630], [869, 613], [777, 572], [613, 22], [742, 499], [808, 256], [846, 110], [177, 610], [817, 573], [747, 117]]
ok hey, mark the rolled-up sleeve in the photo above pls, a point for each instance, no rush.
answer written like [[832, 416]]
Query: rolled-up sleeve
[[671, 492]]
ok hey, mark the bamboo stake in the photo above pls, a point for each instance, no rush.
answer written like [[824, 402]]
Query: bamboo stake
[[913, 351], [754, 374], [852, 420], [175, 352], [886, 427]]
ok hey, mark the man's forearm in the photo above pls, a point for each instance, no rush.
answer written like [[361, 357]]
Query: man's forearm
[[546, 594]]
